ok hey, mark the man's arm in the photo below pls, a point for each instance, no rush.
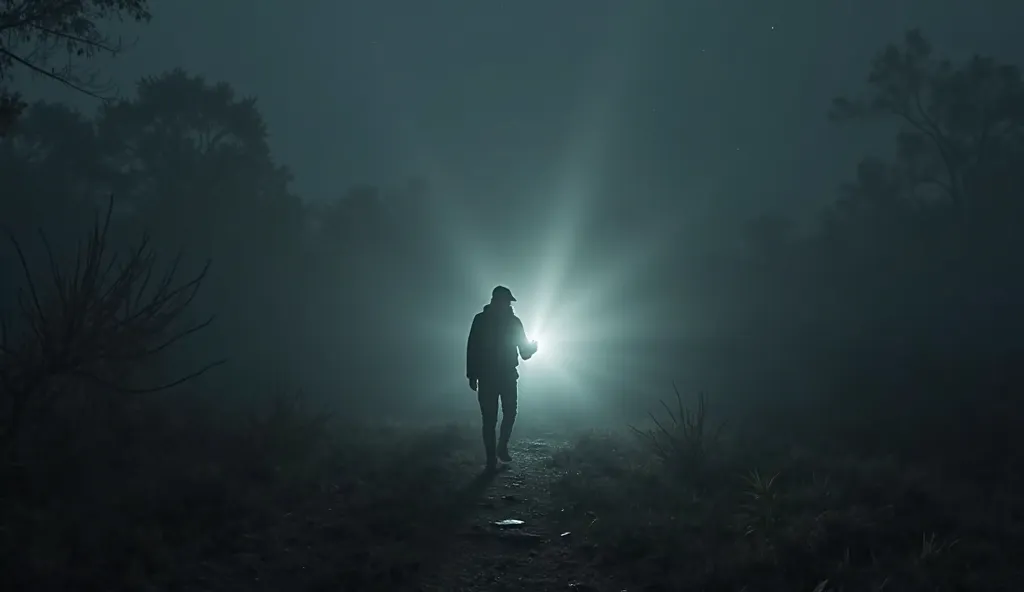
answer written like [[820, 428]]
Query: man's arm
[[526, 347]]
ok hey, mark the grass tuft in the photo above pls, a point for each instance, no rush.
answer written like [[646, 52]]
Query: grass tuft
[[682, 440]]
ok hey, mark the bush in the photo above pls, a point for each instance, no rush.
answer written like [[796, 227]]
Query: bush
[[684, 441], [93, 326], [796, 520]]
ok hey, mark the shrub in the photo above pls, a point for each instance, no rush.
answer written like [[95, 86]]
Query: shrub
[[93, 324], [683, 441]]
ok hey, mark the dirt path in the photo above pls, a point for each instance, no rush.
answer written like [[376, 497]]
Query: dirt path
[[422, 518], [535, 556]]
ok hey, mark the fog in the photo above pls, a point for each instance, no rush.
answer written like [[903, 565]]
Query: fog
[[808, 214]]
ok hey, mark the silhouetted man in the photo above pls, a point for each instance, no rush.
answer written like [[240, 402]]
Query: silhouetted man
[[496, 341]]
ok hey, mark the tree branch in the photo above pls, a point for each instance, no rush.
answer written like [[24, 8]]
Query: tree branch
[[940, 140], [93, 43], [51, 74]]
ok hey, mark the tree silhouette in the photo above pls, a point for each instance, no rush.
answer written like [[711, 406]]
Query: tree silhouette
[[920, 251], [50, 167], [960, 124], [193, 162], [33, 33], [192, 155]]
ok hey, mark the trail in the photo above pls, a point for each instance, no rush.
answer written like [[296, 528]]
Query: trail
[[535, 556], [421, 518]]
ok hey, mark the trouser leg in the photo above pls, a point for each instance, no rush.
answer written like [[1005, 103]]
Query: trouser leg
[[488, 397], [509, 407]]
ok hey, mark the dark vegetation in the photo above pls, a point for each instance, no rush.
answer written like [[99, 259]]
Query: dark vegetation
[[916, 270], [155, 434], [894, 460]]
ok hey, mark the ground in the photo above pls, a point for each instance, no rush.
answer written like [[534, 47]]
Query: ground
[[428, 520], [290, 502], [536, 555]]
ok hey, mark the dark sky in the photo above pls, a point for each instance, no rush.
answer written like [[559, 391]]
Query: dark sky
[[684, 102]]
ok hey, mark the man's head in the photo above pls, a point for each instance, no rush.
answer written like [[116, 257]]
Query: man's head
[[503, 296]]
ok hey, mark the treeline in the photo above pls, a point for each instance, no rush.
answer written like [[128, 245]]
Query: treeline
[[912, 279], [903, 305], [189, 162]]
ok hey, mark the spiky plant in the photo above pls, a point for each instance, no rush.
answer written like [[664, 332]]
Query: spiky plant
[[760, 511], [683, 440]]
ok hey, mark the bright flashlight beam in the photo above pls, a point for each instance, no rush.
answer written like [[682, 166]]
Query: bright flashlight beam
[[538, 338], [546, 346]]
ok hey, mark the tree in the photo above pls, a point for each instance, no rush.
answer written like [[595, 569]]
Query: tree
[[193, 158], [960, 125], [34, 33], [958, 171], [936, 228], [50, 169]]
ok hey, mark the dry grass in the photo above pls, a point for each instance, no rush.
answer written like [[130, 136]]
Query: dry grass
[[795, 521], [683, 438], [109, 480], [187, 496], [104, 490]]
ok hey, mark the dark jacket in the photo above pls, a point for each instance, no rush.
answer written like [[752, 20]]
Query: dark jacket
[[496, 340]]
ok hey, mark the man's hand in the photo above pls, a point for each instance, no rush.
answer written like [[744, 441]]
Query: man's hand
[[472, 384]]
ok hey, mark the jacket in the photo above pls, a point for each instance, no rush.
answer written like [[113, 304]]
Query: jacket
[[496, 341]]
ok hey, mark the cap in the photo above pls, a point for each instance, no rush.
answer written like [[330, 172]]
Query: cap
[[502, 293]]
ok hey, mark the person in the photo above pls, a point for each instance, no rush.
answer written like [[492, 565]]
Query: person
[[497, 340]]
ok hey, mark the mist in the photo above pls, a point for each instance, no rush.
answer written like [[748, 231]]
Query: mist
[[767, 253]]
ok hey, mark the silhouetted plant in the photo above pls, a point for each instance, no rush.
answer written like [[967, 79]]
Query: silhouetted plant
[[683, 440], [95, 323], [760, 512]]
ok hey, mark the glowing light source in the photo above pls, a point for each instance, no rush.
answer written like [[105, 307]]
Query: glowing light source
[[544, 343], [538, 341]]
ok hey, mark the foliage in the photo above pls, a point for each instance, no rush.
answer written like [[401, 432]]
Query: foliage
[[832, 523], [928, 230], [34, 32], [898, 312], [51, 138], [189, 152], [190, 161], [958, 121]]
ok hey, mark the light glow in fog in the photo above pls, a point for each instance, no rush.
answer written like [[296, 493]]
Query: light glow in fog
[[543, 343]]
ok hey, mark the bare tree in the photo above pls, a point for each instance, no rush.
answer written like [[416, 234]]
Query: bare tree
[[95, 322]]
